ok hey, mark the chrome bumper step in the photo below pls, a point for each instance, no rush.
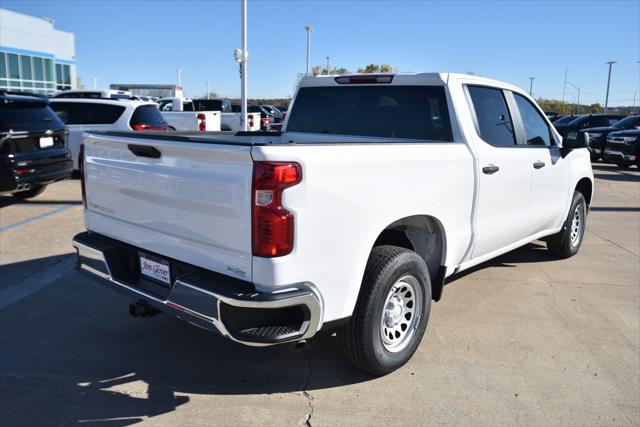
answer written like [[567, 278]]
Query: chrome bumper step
[[209, 300]]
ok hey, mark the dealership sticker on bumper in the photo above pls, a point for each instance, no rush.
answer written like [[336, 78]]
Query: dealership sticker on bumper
[[156, 270]]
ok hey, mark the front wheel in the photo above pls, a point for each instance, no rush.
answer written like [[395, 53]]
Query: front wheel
[[567, 243], [392, 311]]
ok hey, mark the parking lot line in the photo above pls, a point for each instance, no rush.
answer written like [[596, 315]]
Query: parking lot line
[[35, 218]]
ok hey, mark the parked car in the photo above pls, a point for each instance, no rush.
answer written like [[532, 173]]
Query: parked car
[[552, 116], [570, 130], [181, 114], [598, 135], [94, 94], [81, 115], [215, 120], [623, 148], [563, 119], [349, 221], [33, 149], [277, 115]]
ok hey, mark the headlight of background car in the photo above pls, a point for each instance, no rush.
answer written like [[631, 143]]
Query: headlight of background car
[[630, 139]]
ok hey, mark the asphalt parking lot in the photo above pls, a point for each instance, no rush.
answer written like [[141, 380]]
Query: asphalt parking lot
[[523, 339]]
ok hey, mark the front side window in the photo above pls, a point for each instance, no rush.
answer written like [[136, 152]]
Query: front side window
[[494, 121], [536, 129], [393, 111]]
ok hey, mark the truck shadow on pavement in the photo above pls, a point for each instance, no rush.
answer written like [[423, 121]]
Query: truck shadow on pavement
[[71, 353]]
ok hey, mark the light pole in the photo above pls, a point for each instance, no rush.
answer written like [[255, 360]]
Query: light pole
[[243, 68], [531, 85], [95, 83], [179, 76], [606, 100], [208, 90], [578, 89], [309, 30], [564, 86], [328, 65], [637, 62]]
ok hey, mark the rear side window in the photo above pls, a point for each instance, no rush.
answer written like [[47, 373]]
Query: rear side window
[[416, 112], [78, 113], [536, 129], [147, 115], [494, 121], [28, 116]]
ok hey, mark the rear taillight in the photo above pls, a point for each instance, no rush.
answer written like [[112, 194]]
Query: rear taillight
[[272, 224], [145, 126], [202, 125], [81, 167], [265, 123], [251, 122]]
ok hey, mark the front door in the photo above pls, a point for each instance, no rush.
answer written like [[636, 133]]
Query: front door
[[505, 174]]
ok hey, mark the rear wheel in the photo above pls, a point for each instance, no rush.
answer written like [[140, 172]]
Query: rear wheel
[[33, 192], [392, 311], [567, 243]]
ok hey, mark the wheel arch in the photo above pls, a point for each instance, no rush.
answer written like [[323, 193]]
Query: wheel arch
[[425, 235], [585, 186]]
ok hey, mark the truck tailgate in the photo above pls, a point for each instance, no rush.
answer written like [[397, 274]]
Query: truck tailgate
[[185, 200]]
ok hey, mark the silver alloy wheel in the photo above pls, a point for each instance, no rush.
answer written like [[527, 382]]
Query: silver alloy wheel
[[401, 314], [577, 225]]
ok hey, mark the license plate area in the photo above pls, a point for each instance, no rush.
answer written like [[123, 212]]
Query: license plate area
[[46, 141], [155, 269]]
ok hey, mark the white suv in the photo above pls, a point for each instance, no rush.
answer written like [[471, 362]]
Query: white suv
[[83, 114]]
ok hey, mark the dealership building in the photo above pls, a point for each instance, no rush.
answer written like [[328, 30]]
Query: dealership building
[[34, 56]]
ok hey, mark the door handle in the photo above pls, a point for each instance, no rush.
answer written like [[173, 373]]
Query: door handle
[[144, 151], [490, 169], [538, 165]]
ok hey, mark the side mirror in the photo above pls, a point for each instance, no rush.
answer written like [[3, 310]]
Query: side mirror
[[573, 141]]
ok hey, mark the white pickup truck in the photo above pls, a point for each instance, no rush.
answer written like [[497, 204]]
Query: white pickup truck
[[175, 109], [180, 115], [350, 220]]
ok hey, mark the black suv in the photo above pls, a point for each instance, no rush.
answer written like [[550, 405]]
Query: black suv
[[570, 130], [598, 135], [623, 148], [33, 151]]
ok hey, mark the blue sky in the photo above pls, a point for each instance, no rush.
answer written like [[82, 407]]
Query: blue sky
[[145, 41]]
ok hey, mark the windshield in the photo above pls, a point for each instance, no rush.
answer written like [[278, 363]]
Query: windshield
[[28, 116], [578, 120], [565, 119], [416, 112], [627, 122]]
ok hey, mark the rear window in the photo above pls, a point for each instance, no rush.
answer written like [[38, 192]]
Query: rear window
[[28, 116], [78, 113], [416, 112], [147, 115]]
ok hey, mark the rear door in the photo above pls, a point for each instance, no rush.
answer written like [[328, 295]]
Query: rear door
[[505, 173], [549, 187]]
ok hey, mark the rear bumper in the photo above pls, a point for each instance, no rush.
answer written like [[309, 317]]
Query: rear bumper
[[40, 168], [209, 300]]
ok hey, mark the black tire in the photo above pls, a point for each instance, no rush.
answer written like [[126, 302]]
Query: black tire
[[594, 156], [563, 245], [623, 165], [33, 192], [361, 338]]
